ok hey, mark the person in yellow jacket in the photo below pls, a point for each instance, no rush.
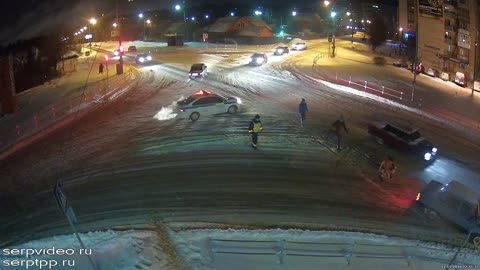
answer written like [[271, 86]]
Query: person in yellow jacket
[[254, 128]]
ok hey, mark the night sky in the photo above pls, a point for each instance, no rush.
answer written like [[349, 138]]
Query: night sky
[[23, 19]]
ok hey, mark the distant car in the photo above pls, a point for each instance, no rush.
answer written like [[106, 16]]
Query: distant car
[[460, 79], [198, 70], [206, 103], [281, 50], [433, 72], [455, 203], [299, 46], [132, 49], [405, 139], [400, 63], [258, 59], [143, 58]]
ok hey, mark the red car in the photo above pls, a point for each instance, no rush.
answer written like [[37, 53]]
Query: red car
[[405, 139]]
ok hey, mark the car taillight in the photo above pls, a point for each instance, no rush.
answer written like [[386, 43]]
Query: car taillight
[[181, 110]]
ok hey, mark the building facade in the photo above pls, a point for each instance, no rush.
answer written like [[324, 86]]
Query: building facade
[[447, 34]]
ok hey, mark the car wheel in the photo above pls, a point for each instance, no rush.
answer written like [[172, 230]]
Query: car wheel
[[476, 241], [194, 116], [232, 109], [432, 215], [380, 141]]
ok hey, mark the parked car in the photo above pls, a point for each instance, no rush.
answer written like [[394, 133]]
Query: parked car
[[281, 50], [258, 59], [132, 49], [455, 203], [405, 139], [198, 70], [445, 76], [432, 72], [460, 79], [400, 63]]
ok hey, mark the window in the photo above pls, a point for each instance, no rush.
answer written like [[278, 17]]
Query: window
[[208, 100]]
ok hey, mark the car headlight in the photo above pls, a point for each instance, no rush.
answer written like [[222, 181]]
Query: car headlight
[[434, 150], [149, 58], [141, 59], [427, 156], [280, 50], [239, 101], [259, 60]]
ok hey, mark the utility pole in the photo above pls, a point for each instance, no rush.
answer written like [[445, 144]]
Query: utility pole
[[417, 20], [120, 64]]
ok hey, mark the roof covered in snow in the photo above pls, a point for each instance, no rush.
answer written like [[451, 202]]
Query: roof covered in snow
[[222, 25], [251, 31], [257, 22]]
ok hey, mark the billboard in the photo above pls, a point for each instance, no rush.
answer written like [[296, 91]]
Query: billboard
[[431, 8]]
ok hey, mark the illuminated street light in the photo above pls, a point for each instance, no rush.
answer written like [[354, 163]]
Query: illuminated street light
[[294, 13], [140, 15], [114, 24], [148, 21], [258, 12], [193, 18], [333, 14], [207, 16], [84, 28], [326, 3], [401, 29], [348, 13], [232, 13], [177, 7], [363, 21], [93, 21]]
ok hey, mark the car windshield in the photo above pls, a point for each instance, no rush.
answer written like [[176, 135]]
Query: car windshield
[[206, 134]]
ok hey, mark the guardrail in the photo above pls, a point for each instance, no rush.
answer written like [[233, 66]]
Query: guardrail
[[87, 95], [349, 250]]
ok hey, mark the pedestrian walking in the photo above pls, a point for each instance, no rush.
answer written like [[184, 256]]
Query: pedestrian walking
[[303, 109], [387, 169], [254, 128], [339, 128], [100, 68]]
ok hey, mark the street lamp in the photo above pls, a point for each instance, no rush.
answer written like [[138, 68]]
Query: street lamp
[[294, 13], [193, 18], [178, 8], [333, 14], [326, 3], [140, 15], [93, 21], [348, 13], [258, 12], [207, 16], [232, 13], [114, 24], [149, 22]]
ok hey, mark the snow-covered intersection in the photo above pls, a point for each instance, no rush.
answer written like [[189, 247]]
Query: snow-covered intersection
[[132, 162]]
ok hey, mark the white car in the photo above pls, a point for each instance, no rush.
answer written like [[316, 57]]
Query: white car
[[300, 46], [204, 103]]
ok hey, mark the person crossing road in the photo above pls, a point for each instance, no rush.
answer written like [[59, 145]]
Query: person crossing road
[[254, 128]]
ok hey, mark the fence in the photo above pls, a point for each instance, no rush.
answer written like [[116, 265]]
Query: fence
[[348, 250], [84, 96], [404, 96]]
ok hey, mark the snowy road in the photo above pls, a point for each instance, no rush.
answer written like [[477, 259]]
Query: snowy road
[[122, 166]]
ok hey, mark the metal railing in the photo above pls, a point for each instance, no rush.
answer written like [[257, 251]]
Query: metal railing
[[85, 96], [349, 250]]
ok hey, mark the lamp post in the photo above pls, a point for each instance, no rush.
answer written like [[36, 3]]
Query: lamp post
[[416, 51], [177, 8], [400, 39], [92, 21], [348, 15], [333, 14]]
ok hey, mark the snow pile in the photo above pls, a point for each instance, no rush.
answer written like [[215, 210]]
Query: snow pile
[[166, 113], [297, 249], [109, 250]]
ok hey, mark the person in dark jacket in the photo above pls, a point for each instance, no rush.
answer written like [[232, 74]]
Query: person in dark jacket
[[339, 128], [303, 109], [254, 128]]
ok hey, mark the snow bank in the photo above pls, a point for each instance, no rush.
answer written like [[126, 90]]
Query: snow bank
[[110, 250], [166, 113], [298, 249]]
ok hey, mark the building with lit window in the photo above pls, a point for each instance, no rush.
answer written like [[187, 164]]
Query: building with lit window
[[447, 35]]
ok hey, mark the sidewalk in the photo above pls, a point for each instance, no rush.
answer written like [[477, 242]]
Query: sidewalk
[[432, 95], [44, 105]]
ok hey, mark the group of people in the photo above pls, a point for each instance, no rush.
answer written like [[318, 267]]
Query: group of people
[[338, 128]]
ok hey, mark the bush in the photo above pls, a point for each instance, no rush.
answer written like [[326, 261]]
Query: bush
[[379, 60]]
